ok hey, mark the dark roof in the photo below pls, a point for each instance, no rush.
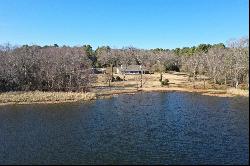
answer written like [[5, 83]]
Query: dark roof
[[133, 68], [98, 69]]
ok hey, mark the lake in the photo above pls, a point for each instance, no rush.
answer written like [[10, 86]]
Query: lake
[[144, 128]]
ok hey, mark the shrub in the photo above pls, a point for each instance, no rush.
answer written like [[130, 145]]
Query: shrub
[[118, 78], [165, 82], [113, 79]]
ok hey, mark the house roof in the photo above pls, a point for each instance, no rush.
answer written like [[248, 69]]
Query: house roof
[[133, 68]]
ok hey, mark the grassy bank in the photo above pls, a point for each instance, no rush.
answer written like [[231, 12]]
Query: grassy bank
[[61, 97], [178, 82], [43, 97], [231, 92], [238, 92]]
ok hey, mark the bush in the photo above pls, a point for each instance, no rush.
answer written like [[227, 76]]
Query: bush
[[165, 82], [172, 67], [113, 79], [118, 78]]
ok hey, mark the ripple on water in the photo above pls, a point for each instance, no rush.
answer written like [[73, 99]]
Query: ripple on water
[[144, 128]]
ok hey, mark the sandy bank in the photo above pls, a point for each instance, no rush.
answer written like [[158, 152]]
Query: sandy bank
[[208, 92]]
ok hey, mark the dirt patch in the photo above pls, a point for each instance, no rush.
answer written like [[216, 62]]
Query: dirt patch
[[178, 81]]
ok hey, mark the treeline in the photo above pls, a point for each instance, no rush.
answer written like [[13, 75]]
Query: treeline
[[223, 64], [54, 68], [227, 65], [48, 68]]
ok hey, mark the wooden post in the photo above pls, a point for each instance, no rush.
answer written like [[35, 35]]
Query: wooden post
[[141, 76], [112, 72], [109, 82], [141, 80], [204, 83]]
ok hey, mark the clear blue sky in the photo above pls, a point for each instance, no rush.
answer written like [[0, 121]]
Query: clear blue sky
[[118, 23]]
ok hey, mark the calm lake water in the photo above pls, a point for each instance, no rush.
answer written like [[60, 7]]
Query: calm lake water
[[145, 128]]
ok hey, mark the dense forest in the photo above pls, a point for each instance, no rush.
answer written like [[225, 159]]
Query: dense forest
[[44, 68], [54, 68]]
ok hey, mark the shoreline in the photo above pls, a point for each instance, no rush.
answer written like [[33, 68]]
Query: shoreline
[[206, 92], [37, 97]]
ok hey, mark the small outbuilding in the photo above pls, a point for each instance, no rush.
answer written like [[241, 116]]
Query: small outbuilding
[[99, 70], [133, 69]]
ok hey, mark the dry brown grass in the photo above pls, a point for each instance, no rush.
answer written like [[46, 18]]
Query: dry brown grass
[[238, 92], [178, 82], [43, 97]]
